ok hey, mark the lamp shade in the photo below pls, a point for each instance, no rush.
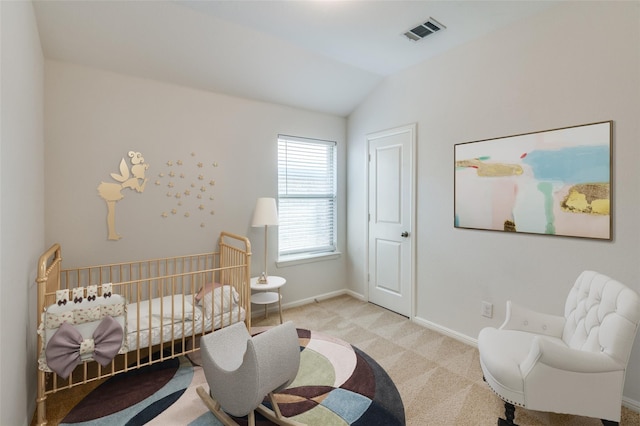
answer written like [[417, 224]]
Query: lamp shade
[[265, 213]]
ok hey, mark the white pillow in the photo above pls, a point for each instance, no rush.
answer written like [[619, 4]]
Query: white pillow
[[205, 289], [224, 297]]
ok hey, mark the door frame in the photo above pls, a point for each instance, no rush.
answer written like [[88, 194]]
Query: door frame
[[412, 129]]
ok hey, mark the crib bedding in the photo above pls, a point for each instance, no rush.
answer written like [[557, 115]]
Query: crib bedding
[[176, 330], [81, 317], [173, 317], [147, 323]]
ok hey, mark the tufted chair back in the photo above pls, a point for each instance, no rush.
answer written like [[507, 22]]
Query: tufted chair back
[[602, 315]]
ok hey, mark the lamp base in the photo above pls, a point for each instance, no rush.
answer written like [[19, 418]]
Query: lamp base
[[263, 279]]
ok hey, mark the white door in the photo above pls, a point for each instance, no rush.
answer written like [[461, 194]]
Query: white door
[[391, 217]]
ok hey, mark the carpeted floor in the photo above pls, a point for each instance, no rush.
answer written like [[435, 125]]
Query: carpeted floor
[[336, 384], [439, 378]]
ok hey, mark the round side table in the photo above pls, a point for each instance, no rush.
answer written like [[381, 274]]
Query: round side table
[[266, 294]]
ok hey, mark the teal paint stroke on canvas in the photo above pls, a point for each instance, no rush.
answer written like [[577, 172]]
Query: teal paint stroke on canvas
[[579, 164], [547, 190]]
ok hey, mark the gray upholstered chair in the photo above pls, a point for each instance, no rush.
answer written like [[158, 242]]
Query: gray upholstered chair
[[242, 370], [573, 364]]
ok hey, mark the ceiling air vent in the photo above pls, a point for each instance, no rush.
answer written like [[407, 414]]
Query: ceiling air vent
[[424, 30]]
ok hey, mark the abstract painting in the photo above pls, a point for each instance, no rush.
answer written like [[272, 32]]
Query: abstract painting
[[554, 182]]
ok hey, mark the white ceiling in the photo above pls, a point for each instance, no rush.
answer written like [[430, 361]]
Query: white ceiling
[[319, 55]]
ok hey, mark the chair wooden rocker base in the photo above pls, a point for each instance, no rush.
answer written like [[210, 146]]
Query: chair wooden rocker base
[[273, 415], [242, 371]]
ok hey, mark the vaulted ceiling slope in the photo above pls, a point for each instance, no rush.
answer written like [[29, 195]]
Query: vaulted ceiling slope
[[324, 56]]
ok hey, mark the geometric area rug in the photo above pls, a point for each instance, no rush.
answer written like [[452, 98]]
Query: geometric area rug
[[337, 384]]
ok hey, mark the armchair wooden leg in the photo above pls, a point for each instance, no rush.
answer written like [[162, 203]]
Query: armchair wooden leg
[[609, 423], [509, 414]]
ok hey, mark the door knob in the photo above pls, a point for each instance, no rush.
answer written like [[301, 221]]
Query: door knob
[[405, 234]]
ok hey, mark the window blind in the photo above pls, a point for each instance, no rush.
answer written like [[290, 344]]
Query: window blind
[[306, 195]]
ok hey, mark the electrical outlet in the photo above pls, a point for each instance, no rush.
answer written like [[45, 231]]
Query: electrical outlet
[[487, 309]]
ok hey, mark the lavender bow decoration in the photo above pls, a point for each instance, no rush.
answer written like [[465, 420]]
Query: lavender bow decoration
[[66, 346]]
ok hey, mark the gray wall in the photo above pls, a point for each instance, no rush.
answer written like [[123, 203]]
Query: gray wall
[[93, 118], [576, 63], [550, 71], [21, 207]]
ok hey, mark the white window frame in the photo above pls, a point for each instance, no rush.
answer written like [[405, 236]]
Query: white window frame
[[296, 252]]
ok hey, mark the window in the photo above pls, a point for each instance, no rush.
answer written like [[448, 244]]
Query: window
[[306, 196]]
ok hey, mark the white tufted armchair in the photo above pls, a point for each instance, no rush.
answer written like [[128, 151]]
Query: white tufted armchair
[[573, 364]]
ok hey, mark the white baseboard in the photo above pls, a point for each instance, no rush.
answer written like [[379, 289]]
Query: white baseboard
[[356, 295], [420, 321], [446, 331], [274, 307], [631, 404], [323, 297]]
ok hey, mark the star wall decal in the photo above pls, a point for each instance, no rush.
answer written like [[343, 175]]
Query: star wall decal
[[191, 174]]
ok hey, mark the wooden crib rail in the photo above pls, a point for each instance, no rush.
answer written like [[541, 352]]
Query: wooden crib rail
[[161, 274], [48, 278], [231, 239], [235, 250]]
